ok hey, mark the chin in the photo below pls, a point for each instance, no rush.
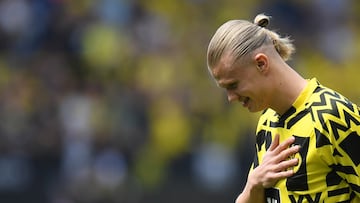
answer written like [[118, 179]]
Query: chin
[[255, 110]]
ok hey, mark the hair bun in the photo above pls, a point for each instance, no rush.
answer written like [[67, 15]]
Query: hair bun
[[262, 20]]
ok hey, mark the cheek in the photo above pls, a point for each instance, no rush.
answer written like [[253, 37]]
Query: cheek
[[260, 103]]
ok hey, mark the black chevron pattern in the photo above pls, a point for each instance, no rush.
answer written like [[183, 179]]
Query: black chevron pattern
[[331, 103], [337, 113], [334, 121]]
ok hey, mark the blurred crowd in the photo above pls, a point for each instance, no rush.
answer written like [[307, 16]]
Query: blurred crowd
[[110, 101]]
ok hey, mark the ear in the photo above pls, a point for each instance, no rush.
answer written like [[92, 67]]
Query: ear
[[262, 62]]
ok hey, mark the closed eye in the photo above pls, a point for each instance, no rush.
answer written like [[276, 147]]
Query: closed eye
[[231, 86]]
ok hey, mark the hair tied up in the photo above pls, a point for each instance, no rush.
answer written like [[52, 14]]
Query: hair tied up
[[262, 20]]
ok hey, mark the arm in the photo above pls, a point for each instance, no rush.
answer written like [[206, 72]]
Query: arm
[[273, 168]]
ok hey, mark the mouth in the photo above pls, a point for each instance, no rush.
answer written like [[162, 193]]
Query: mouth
[[245, 102]]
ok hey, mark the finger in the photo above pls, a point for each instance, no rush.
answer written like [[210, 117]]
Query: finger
[[274, 143], [285, 154], [284, 145], [283, 174], [286, 165]]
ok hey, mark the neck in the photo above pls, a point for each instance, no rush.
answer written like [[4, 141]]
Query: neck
[[287, 89]]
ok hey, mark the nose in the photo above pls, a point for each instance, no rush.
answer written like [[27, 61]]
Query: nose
[[231, 96]]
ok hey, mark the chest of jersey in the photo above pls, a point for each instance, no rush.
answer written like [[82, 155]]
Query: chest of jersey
[[313, 180]]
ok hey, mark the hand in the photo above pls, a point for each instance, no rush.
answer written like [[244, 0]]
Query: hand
[[276, 163]]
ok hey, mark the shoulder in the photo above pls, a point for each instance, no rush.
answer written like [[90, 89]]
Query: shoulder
[[331, 110], [329, 101]]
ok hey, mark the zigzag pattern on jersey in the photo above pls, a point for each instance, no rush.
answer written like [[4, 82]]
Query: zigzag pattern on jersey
[[343, 116], [329, 104], [332, 103]]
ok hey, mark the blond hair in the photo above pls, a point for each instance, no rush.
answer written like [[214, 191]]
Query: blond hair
[[240, 37]]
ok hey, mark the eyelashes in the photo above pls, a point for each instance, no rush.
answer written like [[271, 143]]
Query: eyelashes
[[231, 86]]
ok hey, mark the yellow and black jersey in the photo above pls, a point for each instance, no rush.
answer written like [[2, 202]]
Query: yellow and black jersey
[[327, 127]]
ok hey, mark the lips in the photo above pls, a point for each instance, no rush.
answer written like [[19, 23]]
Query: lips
[[245, 101]]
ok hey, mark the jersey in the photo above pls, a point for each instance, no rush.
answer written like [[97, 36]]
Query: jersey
[[327, 126]]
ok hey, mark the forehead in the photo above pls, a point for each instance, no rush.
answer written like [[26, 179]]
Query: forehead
[[223, 67], [228, 71]]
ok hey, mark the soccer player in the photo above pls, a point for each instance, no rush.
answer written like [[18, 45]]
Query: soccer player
[[307, 139]]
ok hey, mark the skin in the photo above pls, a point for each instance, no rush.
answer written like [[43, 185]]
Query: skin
[[262, 80], [272, 169], [263, 77]]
